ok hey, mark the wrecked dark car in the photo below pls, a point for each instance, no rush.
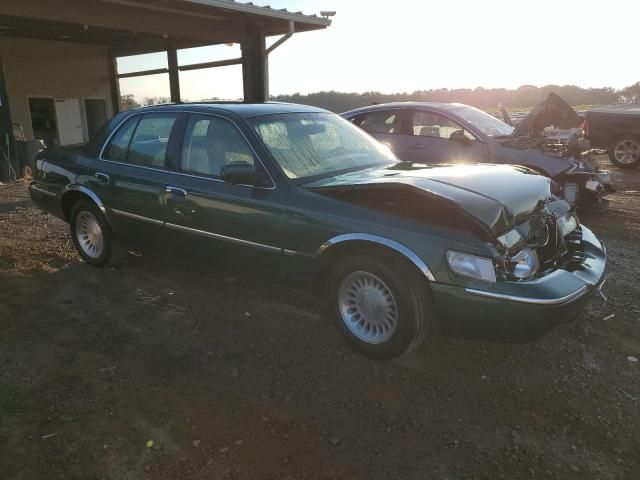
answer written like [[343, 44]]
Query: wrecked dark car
[[398, 251], [457, 133]]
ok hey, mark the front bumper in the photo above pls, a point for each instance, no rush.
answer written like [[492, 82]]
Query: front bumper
[[522, 311]]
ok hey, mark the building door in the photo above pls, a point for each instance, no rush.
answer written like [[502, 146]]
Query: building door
[[69, 121], [43, 120], [96, 111]]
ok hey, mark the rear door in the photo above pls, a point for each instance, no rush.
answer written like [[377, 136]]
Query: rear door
[[387, 126], [436, 138], [131, 174], [206, 215]]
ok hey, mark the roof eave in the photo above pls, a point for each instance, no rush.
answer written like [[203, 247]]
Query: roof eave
[[264, 12]]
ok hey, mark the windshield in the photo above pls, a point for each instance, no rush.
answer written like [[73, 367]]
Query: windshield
[[487, 124], [309, 145]]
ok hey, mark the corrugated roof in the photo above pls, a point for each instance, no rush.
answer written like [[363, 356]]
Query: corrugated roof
[[250, 8]]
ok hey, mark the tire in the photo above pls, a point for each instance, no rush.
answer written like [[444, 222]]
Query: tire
[[92, 236], [391, 291], [624, 152]]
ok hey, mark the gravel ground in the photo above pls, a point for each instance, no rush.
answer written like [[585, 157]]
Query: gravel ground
[[156, 371]]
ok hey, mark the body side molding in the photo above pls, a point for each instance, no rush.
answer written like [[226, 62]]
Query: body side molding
[[386, 242]]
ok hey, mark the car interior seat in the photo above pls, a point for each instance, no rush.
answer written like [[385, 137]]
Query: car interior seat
[[431, 131]]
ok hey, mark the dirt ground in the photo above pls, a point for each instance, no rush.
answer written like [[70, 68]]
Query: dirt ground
[[158, 371]]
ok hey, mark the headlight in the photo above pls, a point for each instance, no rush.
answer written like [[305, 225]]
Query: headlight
[[471, 266], [525, 264]]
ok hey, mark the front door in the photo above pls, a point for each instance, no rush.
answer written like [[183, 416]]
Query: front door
[[235, 224], [69, 121], [435, 138]]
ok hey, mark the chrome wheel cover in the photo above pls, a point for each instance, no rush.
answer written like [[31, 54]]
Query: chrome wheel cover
[[89, 234], [627, 151], [367, 307]]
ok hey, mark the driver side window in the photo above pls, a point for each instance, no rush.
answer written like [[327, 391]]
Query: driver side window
[[431, 124], [210, 143]]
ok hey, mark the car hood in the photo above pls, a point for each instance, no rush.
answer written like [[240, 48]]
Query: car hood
[[551, 111], [497, 196]]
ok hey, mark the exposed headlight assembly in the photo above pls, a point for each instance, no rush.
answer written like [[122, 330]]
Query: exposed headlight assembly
[[471, 266], [567, 224], [525, 264], [510, 239]]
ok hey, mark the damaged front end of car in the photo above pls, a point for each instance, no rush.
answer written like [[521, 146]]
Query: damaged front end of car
[[509, 260], [548, 240], [554, 129]]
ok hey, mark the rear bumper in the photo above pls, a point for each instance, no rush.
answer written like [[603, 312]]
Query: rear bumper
[[46, 200], [521, 311]]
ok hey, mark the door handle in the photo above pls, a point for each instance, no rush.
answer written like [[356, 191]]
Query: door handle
[[176, 191], [103, 177], [417, 147]]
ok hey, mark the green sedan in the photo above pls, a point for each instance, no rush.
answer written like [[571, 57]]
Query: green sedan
[[398, 250]]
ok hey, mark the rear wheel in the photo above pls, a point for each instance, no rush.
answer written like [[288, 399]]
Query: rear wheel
[[92, 235], [380, 304], [625, 152]]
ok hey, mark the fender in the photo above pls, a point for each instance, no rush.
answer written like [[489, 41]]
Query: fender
[[89, 193], [386, 242]]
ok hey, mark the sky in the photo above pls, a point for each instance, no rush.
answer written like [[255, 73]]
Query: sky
[[407, 45]]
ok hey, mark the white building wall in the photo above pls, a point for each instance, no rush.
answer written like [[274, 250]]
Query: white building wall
[[43, 68]]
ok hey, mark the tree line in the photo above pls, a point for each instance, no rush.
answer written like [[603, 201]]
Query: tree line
[[523, 97]]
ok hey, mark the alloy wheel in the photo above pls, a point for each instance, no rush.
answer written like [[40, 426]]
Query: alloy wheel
[[627, 151], [367, 307], [89, 234]]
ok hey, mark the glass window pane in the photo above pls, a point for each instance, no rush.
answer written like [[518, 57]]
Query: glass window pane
[[119, 144], [210, 143], [311, 144], [386, 121], [150, 140], [432, 124]]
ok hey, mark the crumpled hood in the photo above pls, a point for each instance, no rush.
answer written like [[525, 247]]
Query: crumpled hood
[[552, 111], [497, 196]]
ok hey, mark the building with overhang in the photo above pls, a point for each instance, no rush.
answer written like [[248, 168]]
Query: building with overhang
[[58, 71]]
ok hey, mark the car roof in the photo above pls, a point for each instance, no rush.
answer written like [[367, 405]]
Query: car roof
[[386, 106], [244, 110]]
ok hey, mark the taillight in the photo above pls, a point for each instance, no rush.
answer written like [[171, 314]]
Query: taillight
[[585, 129]]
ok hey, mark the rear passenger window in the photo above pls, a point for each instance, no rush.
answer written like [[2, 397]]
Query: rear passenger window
[[150, 140], [211, 142], [386, 121], [119, 144]]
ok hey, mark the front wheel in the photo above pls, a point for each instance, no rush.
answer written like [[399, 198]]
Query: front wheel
[[625, 152], [381, 304], [92, 235]]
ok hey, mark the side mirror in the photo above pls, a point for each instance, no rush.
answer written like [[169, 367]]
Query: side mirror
[[239, 173], [460, 137]]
